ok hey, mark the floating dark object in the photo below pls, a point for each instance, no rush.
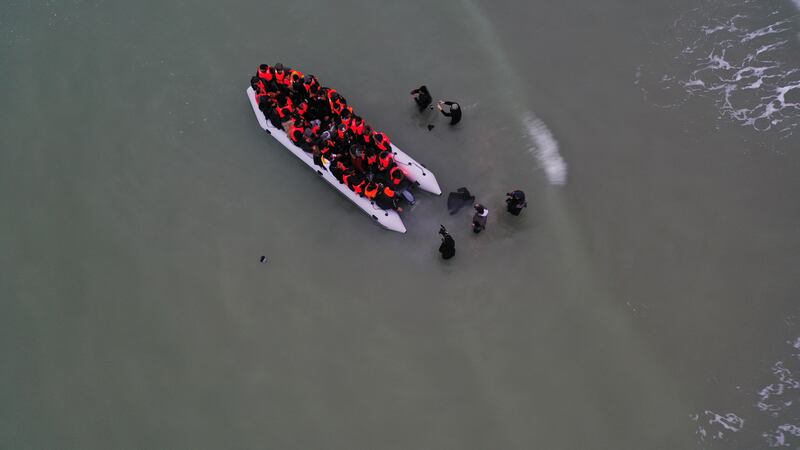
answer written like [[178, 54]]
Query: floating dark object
[[459, 199], [430, 127], [263, 259]]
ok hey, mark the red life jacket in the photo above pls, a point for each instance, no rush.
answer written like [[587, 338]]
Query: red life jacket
[[302, 108], [396, 175], [285, 110], [266, 75], [296, 133], [280, 75], [337, 107], [311, 87], [384, 160], [346, 177], [372, 158], [389, 192], [260, 93], [357, 126], [382, 141], [359, 188]]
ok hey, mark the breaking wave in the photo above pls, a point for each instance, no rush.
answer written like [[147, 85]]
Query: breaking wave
[[742, 55], [774, 409]]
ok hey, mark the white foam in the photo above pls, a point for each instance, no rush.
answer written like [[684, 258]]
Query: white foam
[[741, 62], [545, 149]]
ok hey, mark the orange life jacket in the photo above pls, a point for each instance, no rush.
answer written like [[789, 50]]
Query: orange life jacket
[[389, 192], [302, 108], [371, 191], [294, 75]]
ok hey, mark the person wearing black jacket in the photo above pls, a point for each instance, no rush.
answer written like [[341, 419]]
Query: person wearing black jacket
[[453, 111], [448, 246], [422, 97]]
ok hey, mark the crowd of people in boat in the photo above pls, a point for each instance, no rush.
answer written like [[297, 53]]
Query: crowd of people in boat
[[318, 120]]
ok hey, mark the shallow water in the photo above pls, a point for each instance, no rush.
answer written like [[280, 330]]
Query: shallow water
[[647, 298]]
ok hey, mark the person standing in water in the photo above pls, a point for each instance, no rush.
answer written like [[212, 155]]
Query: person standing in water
[[479, 219], [448, 246], [515, 201], [451, 110], [422, 97]]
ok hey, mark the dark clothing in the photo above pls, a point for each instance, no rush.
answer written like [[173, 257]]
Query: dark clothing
[[385, 202], [448, 247], [459, 199], [515, 202], [422, 97], [453, 114]]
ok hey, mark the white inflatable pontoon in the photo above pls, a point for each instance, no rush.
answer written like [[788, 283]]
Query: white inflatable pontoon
[[389, 219]]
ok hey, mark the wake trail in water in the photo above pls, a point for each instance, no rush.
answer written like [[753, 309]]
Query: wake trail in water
[[543, 145], [545, 149]]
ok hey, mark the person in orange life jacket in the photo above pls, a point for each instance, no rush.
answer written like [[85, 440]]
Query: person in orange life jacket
[[366, 135], [341, 132], [354, 180], [371, 190], [283, 107], [338, 168], [385, 158], [337, 102], [290, 77], [396, 176], [311, 85], [296, 81], [387, 199], [346, 174], [381, 140], [265, 73], [301, 109], [267, 106], [372, 158], [280, 73], [357, 125], [296, 131]]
